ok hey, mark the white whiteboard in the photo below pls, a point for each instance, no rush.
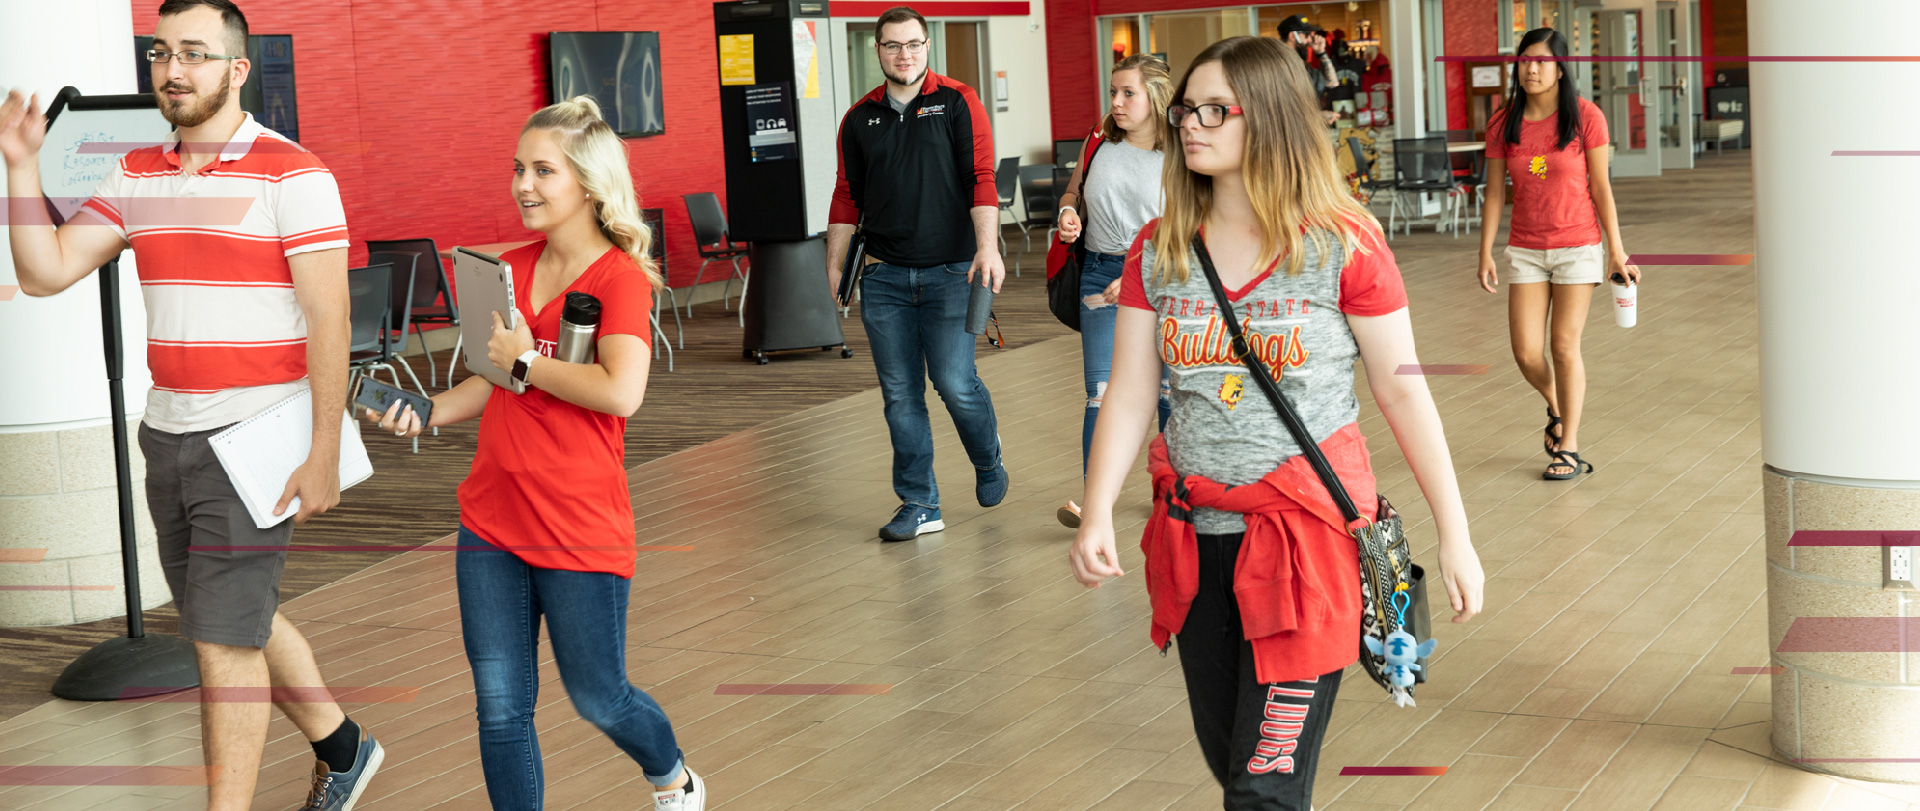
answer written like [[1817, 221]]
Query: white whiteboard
[[84, 145]]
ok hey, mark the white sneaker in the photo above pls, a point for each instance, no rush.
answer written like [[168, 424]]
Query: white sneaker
[[691, 797]]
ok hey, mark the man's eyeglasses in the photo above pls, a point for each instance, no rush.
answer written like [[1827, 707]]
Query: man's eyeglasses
[[186, 57], [1211, 115], [893, 48]]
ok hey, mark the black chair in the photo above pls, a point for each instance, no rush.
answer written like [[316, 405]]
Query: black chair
[[1471, 180], [710, 235], [399, 305], [432, 299], [1420, 165], [1006, 183], [1365, 169], [369, 324], [1037, 186], [655, 219], [1067, 152]]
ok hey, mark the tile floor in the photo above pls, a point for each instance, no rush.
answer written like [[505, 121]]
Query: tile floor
[[1600, 676]]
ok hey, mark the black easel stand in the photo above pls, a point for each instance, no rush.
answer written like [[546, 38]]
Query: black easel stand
[[137, 664]]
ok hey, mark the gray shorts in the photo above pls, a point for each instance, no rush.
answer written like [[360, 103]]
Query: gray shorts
[[226, 587]]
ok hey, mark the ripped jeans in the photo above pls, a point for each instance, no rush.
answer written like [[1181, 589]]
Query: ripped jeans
[[1096, 343]]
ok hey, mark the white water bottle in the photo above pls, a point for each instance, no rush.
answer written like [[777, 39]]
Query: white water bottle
[[1624, 299]]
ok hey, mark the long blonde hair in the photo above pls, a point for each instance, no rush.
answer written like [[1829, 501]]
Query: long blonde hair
[[1158, 79], [599, 159], [1287, 163]]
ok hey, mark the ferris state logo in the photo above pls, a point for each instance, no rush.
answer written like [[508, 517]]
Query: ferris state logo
[[1213, 346]]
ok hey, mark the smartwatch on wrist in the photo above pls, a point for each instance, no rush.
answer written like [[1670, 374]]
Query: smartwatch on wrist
[[524, 364]]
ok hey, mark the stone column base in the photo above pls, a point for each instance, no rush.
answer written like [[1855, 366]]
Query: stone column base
[[1851, 706], [60, 529]]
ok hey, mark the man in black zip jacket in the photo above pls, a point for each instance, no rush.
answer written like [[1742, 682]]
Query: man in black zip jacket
[[916, 173]]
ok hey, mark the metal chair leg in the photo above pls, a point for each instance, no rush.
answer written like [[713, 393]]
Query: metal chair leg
[[432, 379], [746, 279], [728, 289], [673, 304], [660, 336], [696, 285], [458, 338]]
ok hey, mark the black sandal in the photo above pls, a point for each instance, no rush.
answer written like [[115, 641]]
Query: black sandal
[[1566, 459], [1552, 423]]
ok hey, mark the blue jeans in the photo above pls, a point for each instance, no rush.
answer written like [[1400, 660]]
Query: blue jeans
[[501, 602], [1096, 344], [916, 326]]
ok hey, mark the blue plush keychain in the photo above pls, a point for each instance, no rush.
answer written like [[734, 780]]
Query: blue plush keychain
[[1401, 652]]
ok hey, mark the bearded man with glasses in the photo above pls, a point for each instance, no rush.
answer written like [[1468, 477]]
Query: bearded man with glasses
[[916, 177], [240, 315]]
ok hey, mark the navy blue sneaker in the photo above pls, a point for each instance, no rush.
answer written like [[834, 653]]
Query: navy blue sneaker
[[911, 521], [338, 791], [990, 486]]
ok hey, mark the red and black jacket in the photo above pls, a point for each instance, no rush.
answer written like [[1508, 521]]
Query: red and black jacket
[[916, 174]]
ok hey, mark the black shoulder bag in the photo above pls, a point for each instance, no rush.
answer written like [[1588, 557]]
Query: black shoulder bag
[[1063, 285], [1386, 561]]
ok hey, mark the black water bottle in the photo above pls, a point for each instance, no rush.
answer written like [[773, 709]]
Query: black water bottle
[[979, 306]]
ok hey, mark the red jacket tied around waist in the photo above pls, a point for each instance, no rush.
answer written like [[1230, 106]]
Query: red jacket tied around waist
[[1297, 579]]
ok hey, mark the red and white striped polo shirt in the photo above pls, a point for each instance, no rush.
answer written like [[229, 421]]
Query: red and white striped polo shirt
[[225, 336]]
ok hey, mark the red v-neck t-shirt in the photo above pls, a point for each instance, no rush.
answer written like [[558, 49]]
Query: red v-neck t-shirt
[[1552, 205], [549, 478]]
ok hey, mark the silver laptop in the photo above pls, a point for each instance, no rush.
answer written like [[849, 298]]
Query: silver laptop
[[486, 287]]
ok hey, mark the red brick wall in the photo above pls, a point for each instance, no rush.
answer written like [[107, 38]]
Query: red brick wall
[[416, 106]]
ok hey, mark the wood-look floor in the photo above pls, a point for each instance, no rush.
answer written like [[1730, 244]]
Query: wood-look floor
[[1588, 684]]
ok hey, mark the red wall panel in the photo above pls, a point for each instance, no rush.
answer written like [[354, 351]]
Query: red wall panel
[[416, 106], [1471, 28], [1073, 75]]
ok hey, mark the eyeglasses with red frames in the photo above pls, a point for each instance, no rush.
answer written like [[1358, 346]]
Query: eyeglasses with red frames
[[1211, 115]]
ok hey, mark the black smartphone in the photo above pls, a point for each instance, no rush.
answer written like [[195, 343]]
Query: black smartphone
[[380, 397]]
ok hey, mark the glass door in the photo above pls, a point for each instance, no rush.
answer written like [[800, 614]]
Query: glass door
[[1623, 88], [1675, 37]]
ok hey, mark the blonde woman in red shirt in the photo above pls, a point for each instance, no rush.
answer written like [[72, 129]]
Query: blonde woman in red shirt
[[1553, 144], [546, 524], [1248, 563]]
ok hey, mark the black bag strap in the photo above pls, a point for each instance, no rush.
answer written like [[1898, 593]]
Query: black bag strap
[[1295, 425]]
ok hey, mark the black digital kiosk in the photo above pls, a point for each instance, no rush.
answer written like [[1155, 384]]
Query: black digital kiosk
[[778, 123]]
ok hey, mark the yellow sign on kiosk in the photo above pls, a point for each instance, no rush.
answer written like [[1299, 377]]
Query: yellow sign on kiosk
[[736, 59]]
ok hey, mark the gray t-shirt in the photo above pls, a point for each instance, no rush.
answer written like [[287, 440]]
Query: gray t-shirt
[[897, 105], [1222, 426], [1122, 194]]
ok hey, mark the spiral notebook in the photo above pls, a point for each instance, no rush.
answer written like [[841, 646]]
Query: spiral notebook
[[261, 452]]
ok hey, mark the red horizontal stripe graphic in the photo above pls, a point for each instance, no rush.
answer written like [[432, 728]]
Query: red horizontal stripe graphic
[[802, 689], [404, 548], [1857, 760], [264, 146], [214, 368], [1852, 635], [933, 8], [22, 555], [1857, 537], [263, 695], [1690, 259], [1442, 369], [106, 775], [58, 588], [1758, 671], [1392, 771], [1873, 153], [1513, 58]]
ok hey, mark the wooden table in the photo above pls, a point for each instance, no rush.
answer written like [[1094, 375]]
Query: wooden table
[[1466, 146], [491, 249]]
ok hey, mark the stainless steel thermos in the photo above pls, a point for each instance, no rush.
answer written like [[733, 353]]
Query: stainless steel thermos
[[578, 323]]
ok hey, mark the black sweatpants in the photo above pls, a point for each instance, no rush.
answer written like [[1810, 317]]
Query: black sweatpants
[[1262, 741]]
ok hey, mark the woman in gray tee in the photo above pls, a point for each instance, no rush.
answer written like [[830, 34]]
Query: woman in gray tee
[[1111, 196]]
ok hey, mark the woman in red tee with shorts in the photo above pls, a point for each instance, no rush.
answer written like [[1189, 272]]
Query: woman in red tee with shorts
[[1553, 145], [546, 521]]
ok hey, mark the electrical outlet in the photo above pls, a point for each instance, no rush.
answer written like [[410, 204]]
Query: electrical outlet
[[1899, 567]]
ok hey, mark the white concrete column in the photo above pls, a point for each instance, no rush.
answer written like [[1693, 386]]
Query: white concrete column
[[1840, 378], [59, 517]]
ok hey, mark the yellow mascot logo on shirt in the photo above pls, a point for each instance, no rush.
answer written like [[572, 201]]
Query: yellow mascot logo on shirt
[[1538, 167], [1231, 390]]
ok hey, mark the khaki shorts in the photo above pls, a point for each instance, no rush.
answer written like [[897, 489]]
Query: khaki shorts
[[224, 571], [1583, 264]]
